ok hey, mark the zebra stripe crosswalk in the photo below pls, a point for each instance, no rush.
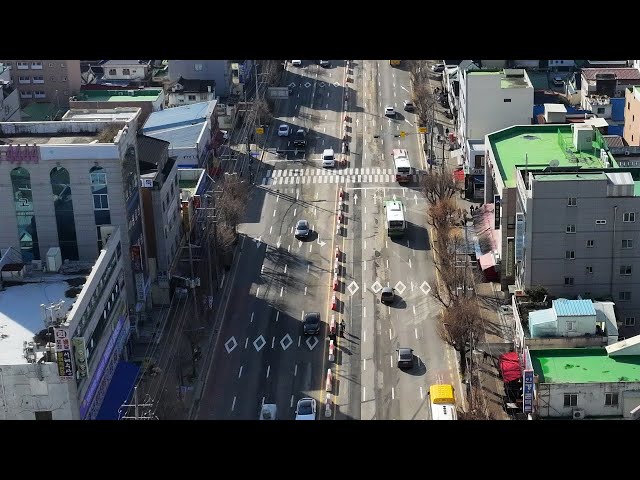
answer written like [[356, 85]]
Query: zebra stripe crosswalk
[[305, 176]]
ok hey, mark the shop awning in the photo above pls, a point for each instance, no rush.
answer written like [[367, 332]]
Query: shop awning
[[458, 175], [487, 260], [510, 367], [477, 179], [121, 385]]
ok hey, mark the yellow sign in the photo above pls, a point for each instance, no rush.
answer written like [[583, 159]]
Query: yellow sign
[[422, 129], [403, 134], [259, 130]]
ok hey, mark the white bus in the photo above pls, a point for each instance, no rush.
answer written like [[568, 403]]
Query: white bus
[[402, 165], [394, 218], [443, 402]]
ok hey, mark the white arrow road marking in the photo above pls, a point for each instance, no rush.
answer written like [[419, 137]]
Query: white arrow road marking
[[321, 243], [240, 372], [357, 121], [402, 87], [278, 244], [428, 288], [415, 197], [299, 243], [408, 122], [355, 198]]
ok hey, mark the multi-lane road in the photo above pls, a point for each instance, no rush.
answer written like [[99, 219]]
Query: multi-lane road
[[261, 354]]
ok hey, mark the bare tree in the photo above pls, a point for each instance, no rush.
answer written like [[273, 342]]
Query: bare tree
[[443, 215], [233, 201], [438, 186], [461, 322], [225, 239], [451, 273]]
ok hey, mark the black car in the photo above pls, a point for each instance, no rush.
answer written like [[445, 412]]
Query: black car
[[324, 63], [387, 295], [300, 138], [311, 323], [405, 358]]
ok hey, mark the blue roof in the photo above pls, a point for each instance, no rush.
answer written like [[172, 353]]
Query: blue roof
[[179, 116], [179, 137], [539, 317], [573, 308]]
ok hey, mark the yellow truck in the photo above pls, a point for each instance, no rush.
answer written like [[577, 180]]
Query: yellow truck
[[443, 402], [395, 63]]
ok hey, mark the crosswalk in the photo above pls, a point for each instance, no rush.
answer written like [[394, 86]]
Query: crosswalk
[[301, 176]]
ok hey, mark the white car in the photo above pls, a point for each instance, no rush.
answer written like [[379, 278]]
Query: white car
[[389, 111], [296, 63], [328, 158], [284, 130], [268, 412], [306, 409]]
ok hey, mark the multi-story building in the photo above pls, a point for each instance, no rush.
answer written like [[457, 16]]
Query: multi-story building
[[45, 81], [64, 342], [137, 70], [9, 97], [216, 70], [149, 100], [489, 100], [160, 194], [610, 82], [67, 184], [189, 130], [186, 92], [631, 132]]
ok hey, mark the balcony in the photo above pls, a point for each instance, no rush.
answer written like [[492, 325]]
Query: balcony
[[36, 66]]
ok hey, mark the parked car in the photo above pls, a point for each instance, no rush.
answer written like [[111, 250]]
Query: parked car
[[328, 158], [437, 68], [311, 323], [306, 409], [296, 63], [389, 111], [325, 63], [302, 229], [558, 81], [408, 106], [405, 358], [387, 295], [284, 130]]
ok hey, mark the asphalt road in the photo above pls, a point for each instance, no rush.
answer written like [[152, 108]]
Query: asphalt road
[[261, 355]]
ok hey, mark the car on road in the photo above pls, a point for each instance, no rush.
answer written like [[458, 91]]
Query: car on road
[[558, 81], [328, 158], [404, 358], [389, 111], [437, 68], [296, 63], [387, 295], [306, 409], [300, 138], [408, 106], [311, 323], [302, 229], [284, 130], [324, 63], [268, 411]]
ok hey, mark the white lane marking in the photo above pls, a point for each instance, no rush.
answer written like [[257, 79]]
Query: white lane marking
[[390, 334], [296, 107], [233, 405], [402, 87], [386, 244], [365, 209], [297, 195], [408, 122], [305, 290], [412, 287], [391, 360], [295, 210], [277, 198], [393, 394], [252, 314], [285, 266], [257, 291], [364, 312], [299, 338], [263, 399], [310, 247], [295, 370], [270, 229], [246, 342], [289, 248], [281, 290], [421, 394], [291, 403], [327, 106], [416, 330], [240, 372], [364, 266], [408, 244], [268, 370], [308, 267], [365, 244], [409, 265], [414, 308], [364, 394], [364, 364], [274, 212], [387, 264], [325, 117], [302, 316], [389, 310], [394, 94], [365, 226], [273, 341], [323, 128]]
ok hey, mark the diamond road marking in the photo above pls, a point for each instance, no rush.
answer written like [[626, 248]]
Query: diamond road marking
[[321, 84], [336, 84], [376, 287], [292, 84], [353, 287], [286, 339], [307, 84], [400, 287], [315, 342], [233, 343], [259, 339], [426, 292]]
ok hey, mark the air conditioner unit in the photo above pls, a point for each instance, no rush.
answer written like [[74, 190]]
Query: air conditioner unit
[[578, 414]]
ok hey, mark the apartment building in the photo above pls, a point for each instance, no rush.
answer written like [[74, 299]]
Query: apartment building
[[149, 100], [9, 97], [186, 92], [631, 130], [45, 81], [610, 82]]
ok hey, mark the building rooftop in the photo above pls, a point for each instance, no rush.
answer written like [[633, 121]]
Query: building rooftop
[[179, 116], [584, 365], [179, 137], [536, 146], [573, 308], [619, 73], [617, 176], [21, 315], [142, 95], [106, 63], [198, 86], [40, 112], [123, 114]]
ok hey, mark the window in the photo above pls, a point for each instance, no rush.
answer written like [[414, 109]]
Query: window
[[507, 100], [625, 269], [571, 325], [601, 222], [197, 67], [569, 254], [629, 217], [36, 65], [628, 105], [611, 399], [192, 97], [624, 296], [23, 65], [50, 65], [45, 415], [24, 80], [589, 269], [126, 71], [26, 95], [568, 281], [38, 79], [112, 71], [627, 243], [600, 110], [572, 202], [40, 94], [590, 243], [629, 321], [570, 399], [571, 229]]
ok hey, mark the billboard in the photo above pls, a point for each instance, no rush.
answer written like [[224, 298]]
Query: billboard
[[63, 352], [527, 392]]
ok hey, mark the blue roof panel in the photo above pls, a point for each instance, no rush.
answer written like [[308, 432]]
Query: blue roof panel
[[180, 137], [179, 116], [573, 308]]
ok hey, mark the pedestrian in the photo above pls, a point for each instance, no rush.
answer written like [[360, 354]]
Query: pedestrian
[[342, 327]]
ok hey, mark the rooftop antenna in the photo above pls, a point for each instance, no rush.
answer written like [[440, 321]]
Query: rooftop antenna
[[526, 167]]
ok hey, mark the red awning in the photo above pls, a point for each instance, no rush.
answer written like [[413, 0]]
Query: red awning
[[458, 175], [510, 367]]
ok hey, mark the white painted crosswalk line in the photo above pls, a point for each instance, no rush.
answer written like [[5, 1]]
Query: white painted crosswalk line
[[376, 178], [276, 173], [265, 180], [359, 178], [369, 178], [268, 173], [304, 179], [325, 179], [378, 171], [351, 171]]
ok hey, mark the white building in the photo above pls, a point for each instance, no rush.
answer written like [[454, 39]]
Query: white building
[[125, 69], [59, 356], [9, 97], [186, 92]]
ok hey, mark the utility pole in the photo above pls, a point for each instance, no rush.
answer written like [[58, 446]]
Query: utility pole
[[431, 133], [137, 413]]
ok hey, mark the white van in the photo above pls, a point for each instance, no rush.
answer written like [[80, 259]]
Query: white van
[[328, 158]]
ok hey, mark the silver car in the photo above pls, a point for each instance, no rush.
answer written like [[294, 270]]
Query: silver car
[[302, 229]]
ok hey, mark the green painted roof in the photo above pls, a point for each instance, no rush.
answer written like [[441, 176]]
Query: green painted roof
[[541, 143], [40, 112], [584, 365], [118, 95], [541, 177]]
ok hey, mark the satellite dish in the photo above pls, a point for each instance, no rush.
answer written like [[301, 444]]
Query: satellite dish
[[554, 163]]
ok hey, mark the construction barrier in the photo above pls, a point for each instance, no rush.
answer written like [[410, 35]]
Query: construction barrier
[[338, 229], [334, 303], [336, 267], [336, 284], [340, 217], [332, 325], [332, 351], [341, 193], [329, 381], [338, 253], [327, 406]]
